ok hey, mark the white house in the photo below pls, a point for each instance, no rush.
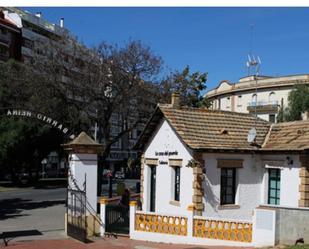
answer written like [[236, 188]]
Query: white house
[[203, 183], [263, 94]]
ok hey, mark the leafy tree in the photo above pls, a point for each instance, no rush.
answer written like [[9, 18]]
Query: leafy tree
[[188, 84], [298, 103]]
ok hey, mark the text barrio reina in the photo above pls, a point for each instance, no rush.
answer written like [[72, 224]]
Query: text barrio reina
[[41, 117]]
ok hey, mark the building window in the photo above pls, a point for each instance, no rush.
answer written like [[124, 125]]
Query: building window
[[28, 43], [271, 98], [254, 99], [272, 118], [239, 101], [228, 186], [117, 144], [274, 186], [176, 183], [228, 102]]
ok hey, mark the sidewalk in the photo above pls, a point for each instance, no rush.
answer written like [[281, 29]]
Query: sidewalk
[[103, 243]]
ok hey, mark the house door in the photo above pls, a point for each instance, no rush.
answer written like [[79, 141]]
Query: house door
[[152, 189]]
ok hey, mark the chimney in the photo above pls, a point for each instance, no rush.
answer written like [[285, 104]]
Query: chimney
[[38, 14], [176, 100], [61, 22]]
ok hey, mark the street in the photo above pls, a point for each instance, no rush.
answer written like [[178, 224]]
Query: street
[[38, 209]]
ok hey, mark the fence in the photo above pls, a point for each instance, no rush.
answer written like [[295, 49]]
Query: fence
[[190, 229], [160, 224], [222, 229]]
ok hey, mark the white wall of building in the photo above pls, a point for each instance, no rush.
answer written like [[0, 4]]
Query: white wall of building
[[248, 187], [251, 179], [165, 139], [289, 182], [252, 184], [239, 102]]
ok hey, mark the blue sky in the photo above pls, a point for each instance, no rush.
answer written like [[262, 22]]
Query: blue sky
[[213, 40]]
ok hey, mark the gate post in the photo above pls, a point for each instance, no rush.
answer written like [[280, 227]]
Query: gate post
[[82, 175], [133, 207], [103, 203]]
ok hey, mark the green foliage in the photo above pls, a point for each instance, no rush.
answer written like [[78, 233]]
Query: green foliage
[[24, 144], [298, 103], [298, 247], [189, 85]]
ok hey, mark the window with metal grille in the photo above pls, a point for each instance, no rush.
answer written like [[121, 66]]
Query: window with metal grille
[[274, 186], [228, 186], [177, 183]]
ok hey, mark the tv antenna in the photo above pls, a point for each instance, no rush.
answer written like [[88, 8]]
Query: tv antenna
[[253, 65]]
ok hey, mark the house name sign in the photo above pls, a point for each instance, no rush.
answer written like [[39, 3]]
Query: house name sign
[[166, 153], [41, 117]]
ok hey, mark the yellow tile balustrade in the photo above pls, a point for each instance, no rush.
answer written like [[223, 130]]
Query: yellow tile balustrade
[[224, 230], [161, 224]]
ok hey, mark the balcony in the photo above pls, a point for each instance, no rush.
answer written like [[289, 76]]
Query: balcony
[[263, 106], [5, 38]]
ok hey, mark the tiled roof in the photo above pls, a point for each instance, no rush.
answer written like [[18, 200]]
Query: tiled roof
[[288, 136], [209, 129], [83, 139]]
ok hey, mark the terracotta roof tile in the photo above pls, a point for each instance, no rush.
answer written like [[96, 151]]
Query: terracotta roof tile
[[223, 130], [209, 129], [288, 136]]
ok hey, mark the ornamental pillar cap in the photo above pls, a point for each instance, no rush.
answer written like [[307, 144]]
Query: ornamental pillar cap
[[83, 144]]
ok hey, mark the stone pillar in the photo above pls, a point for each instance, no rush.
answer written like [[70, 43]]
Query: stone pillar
[[83, 163], [197, 198], [304, 181]]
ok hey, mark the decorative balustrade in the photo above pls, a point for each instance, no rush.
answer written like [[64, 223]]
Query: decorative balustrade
[[172, 225], [223, 230]]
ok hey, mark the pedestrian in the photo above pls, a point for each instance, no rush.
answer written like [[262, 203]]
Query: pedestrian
[[125, 198]]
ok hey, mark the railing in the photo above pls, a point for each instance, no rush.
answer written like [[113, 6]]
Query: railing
[[263, 103], [222, 229], [154, 223]]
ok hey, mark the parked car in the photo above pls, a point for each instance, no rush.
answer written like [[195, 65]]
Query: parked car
[[119, 175]]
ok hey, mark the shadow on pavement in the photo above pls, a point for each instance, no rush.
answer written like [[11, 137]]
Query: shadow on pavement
[[7, 236], [11, 208]]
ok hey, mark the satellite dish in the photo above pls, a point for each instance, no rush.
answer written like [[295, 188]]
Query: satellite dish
[[251, 135]]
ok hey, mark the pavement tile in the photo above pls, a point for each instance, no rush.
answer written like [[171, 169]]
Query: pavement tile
[[101, 243]]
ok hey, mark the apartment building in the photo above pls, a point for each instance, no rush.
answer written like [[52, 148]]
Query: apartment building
[[34, 30], [10, 39], [263, 95]]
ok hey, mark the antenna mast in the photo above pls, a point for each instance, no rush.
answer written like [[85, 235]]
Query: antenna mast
[[254, 64]]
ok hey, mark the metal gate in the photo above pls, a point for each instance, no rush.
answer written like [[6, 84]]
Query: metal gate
[[117, 219], [76, 215]]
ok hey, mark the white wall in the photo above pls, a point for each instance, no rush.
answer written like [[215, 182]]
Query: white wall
[[248, 182], [84, 166], [289, 182], [165, 139], [252, 184]]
